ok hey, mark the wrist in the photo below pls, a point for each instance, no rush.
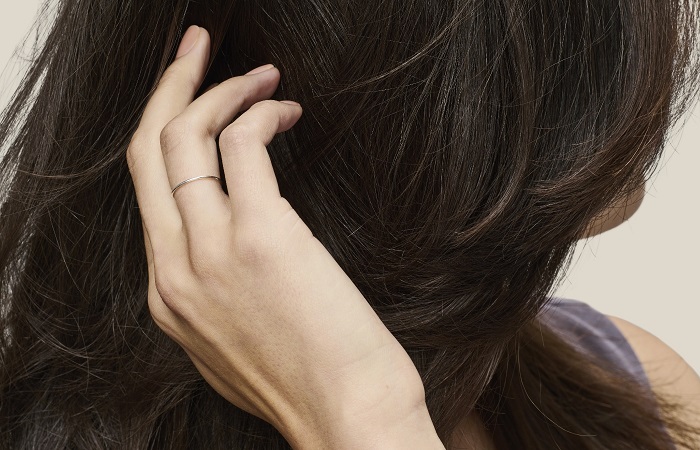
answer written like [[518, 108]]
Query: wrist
[[415, 430], [396, 425], [385, 415], [379, 404]]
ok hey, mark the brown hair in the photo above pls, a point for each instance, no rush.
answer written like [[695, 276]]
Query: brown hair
[[448, 157]]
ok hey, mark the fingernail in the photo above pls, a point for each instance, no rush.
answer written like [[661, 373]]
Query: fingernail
[[188, 41], [290, 102], [260, 69]]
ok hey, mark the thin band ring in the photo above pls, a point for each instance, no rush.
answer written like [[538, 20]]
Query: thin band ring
[[192, 179]]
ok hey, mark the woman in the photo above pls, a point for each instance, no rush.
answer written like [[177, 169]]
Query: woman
[[447, 159]]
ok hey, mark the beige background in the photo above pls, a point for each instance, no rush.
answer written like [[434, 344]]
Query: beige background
[[645, 271]]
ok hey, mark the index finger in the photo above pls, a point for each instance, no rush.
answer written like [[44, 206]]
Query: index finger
[[180, 81], [175, 91]]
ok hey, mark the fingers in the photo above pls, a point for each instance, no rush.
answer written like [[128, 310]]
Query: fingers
[[214, 110], [189, 148], [176, 141], [174, 92], [250, 178], [179, 83]]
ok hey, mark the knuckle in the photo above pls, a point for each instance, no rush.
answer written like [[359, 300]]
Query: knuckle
[[170, 286], [237, 134], [207, 257], [270, 105], [158, 311], [271, 110], [138, 143], [175, 132], [138, 139]]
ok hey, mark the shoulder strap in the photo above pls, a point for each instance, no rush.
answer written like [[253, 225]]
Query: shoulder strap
[[591, 331]]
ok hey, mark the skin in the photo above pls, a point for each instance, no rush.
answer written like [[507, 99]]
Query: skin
[[616, 214], [667, 371], [239, 281], [266, 314]]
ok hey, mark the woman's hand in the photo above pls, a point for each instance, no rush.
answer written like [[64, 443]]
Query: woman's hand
[[239, 281]]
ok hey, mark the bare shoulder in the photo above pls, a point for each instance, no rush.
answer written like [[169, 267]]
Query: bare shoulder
[[667, 371]]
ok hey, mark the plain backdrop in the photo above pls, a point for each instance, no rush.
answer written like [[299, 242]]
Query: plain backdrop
[[645, 271]]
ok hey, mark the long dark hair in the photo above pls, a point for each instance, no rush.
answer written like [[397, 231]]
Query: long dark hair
[[449, 155]]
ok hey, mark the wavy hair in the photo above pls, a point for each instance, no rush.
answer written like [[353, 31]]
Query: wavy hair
[[449, 156]]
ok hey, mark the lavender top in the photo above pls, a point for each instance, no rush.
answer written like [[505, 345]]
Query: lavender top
[[591, 331]]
